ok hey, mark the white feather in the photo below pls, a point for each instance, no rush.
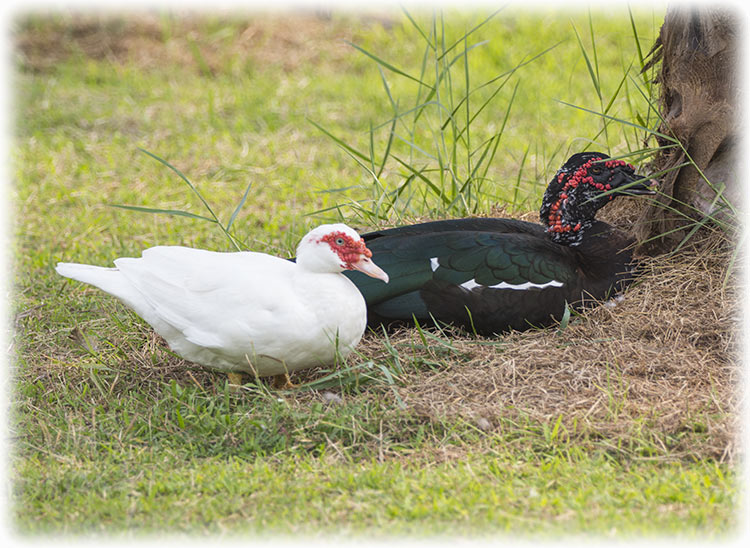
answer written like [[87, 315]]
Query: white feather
[[471, 284], [239, 311]]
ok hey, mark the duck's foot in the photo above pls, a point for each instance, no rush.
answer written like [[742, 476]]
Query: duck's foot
[[235, 380], [282, 382]]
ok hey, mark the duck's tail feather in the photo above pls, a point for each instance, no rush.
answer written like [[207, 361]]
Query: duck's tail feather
[[109, 280]]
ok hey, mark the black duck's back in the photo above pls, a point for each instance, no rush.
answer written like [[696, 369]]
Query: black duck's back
[[478, 224]]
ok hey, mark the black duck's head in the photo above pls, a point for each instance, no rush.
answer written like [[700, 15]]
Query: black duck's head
[[585, 183]]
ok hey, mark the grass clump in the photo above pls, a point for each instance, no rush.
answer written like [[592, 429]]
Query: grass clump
[[433, 140]]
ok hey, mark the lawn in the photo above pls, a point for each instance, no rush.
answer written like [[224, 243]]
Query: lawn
[[622, 424]]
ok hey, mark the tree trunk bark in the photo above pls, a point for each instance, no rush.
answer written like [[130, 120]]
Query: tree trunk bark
[[698, 48]]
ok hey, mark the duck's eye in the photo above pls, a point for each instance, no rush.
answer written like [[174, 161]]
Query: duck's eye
[[339, 241], [596, 170]]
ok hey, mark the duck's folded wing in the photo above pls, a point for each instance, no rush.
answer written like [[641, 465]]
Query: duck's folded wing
[[433, 274], [216, 300]]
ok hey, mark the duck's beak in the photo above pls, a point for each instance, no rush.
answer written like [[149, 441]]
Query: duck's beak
[[366, 266], [642, 186], [635, 185]]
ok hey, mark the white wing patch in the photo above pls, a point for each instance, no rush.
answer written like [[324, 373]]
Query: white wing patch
[[471, 284]]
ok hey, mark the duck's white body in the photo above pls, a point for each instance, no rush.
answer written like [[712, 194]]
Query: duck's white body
[[239, 312]]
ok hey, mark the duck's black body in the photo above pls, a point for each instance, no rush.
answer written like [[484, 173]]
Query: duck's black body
[[491, 275]]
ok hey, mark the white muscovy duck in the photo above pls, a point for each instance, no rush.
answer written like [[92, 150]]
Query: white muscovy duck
[[247, 312]]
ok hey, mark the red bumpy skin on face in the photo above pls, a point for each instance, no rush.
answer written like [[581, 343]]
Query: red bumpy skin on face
[[580, 176], [349, 251]]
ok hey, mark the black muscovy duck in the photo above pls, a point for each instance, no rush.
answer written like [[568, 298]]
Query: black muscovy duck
[[491, 275]]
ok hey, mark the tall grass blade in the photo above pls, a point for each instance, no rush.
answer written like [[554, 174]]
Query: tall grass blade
[[416, 26], [592, 37], [617, 91], [589, 66], [389, 66], [339, 141], [472, 31], [175, 212], [621, 121], [517, 186], [388, 145], [467, 84], [436, 191], [505, 75], [205, 203], [639, 50], [239, 206]]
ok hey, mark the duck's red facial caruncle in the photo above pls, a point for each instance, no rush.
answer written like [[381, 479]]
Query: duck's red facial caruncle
[[596, 173], [347, 248], [585, 183], [353, 254]]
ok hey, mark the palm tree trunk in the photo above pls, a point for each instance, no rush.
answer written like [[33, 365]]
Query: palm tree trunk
[[699, 82]]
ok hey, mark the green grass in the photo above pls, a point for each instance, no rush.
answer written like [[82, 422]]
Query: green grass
[[480, 495], [114, 434]]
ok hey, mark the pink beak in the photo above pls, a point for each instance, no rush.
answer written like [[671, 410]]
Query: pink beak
[[366, 266]]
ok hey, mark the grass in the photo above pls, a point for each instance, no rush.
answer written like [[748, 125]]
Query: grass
[[314, 496], [583, 430]]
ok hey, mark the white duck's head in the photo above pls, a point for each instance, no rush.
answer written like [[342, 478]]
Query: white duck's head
[[335, 248]]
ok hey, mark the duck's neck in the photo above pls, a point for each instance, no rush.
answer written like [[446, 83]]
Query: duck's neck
[[604, 252], [570, 233], [315, 260]]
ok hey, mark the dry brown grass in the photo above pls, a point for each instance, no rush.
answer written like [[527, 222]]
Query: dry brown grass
[[661, 365], [269, 40]]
